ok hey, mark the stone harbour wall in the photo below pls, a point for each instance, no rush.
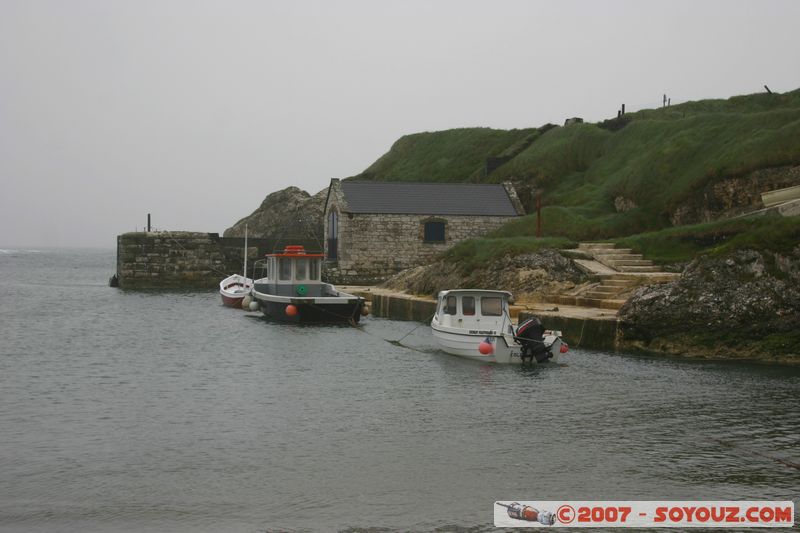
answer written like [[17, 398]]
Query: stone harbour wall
[[373, 247], [182, 259]]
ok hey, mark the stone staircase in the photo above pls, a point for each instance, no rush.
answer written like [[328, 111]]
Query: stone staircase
[[620, 259], [619, 271]]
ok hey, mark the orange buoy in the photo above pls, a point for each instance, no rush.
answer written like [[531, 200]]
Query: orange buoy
[[485, 347], [291, 310]]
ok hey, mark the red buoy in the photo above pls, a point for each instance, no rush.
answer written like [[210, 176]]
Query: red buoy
[[485, 347], [291, 310]]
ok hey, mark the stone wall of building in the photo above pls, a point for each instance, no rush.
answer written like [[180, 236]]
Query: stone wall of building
[[184, 260], [373, 247]]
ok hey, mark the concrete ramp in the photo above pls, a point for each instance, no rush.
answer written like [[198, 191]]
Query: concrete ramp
[[780, 196]]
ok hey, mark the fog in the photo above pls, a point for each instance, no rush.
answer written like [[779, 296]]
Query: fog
[[194, 111]]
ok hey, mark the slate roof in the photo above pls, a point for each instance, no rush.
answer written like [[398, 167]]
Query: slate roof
[[427, 198]]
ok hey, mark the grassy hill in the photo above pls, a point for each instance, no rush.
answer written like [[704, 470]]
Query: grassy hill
[[653, 159], [444, 156]]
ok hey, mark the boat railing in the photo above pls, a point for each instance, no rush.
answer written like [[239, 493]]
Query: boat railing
[[259, 268]]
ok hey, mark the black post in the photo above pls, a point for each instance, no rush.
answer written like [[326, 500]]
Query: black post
[[767, 88], [148, 222], [623, 109], [664, 104]]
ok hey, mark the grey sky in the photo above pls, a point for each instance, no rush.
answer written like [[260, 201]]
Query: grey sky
[[195, 110]]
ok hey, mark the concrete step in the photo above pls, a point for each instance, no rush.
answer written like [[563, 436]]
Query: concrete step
[[617, 257], [607, 291], [620, 283], [613, 251], [594, 268], [642, 277], [637, 268], [603, 303], [596, 245], [595, 295], [628, 262]]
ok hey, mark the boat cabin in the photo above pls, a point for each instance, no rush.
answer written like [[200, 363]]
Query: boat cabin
[[475, 310], [292, 272]]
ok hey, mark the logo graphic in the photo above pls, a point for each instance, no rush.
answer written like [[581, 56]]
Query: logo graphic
[[527, 513], [644, 514]]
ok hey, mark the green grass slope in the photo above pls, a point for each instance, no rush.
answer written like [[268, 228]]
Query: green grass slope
[[654, 158], [443, 156]]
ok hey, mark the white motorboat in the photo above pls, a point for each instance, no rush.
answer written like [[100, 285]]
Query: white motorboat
[[476, 324]]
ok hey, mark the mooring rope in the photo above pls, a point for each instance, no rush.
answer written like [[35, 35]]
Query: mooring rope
[[583, 326], [398, 342]]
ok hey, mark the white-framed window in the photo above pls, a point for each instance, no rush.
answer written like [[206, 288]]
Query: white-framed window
[[300, 269], [491, 306], [284, 269]]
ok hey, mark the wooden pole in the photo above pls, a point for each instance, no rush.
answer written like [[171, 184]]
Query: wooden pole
[[538, 214], [148, 222]]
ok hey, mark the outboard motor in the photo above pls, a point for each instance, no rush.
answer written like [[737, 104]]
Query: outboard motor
[[530, 335]]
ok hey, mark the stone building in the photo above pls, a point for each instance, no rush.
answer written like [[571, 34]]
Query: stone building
[[376, 229]]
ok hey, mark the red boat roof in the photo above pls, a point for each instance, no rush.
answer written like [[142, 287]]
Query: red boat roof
[[295, 251]]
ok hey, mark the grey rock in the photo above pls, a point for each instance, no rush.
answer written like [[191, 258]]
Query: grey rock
[[285, 215], [531, 275], [738, 300]]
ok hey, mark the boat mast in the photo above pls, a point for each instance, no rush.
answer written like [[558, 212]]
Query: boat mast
[[245, 251]]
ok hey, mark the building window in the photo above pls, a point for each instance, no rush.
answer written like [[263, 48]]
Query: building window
[[333, 235], [434, 231]]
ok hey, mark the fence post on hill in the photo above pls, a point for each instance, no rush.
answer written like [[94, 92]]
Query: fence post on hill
[[538, 213]]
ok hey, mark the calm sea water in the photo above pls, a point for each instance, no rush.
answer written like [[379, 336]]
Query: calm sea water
[[154, 411]]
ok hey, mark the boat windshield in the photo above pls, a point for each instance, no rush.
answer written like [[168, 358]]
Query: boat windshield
[[300, 269], [491, 306], [468, 305], [285, 268], [450, 305]]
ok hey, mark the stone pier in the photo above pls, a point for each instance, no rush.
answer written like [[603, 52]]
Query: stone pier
[[185, 260]]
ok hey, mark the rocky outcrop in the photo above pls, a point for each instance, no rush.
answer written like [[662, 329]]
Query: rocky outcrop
[[733, 196], [622, 204], [286, 215], [530, 276], [745, 305]]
